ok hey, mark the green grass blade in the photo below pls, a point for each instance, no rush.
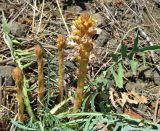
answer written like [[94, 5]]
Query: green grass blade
[[149, 48]]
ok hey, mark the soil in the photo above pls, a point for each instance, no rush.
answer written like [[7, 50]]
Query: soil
[[117, 23]]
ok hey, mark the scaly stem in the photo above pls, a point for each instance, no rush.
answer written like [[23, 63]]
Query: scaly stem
[[20, 102], [18, 77], [25, 93], [80, 85], [40, 80], [60, 45], [39, 55], [61, 74]]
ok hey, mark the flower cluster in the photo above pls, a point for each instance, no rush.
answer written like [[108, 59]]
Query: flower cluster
[[83, 29]]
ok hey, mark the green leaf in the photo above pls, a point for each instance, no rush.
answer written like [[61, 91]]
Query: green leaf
[[133, 65], [136, 41], [22, 126], [40, 125], [103, 106], [5, 25], [114, 57], [23, 53], [84, 103], [65, 115], [135, 48], [16, 42], [100, 80], [119, 76], [124, 50], [149, 48], [60, 105], [87, 124], [142, 54], [9, 43], [92, 102]]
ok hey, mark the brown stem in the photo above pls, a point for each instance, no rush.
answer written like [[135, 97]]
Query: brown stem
[[60, 45], [40, 80], [18, 77], [80, 85], [39, 55], [61, 74]]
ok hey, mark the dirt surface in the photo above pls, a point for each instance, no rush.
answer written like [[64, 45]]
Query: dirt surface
[[117, 22]]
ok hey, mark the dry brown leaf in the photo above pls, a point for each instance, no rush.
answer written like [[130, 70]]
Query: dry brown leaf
[[123, 99], [100, 126], [140, 99], [143, 100], [131, 99], [111, 97], [132, 114]]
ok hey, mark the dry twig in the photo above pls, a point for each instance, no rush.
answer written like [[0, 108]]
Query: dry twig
[[156, 107]]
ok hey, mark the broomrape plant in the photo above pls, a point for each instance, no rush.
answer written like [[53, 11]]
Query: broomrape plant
[[83, 29]]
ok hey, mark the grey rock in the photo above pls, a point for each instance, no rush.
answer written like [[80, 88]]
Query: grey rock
[[5, 72], [74, 9], [18, 29], [138, 86], [100, 19], [157, 76], [157, 2], [104, 35], [103, 38]]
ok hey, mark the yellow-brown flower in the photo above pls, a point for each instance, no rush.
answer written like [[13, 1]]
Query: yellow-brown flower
[[82, 31]]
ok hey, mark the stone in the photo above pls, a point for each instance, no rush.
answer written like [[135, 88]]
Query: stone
[[18, 29], [157, 76]]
